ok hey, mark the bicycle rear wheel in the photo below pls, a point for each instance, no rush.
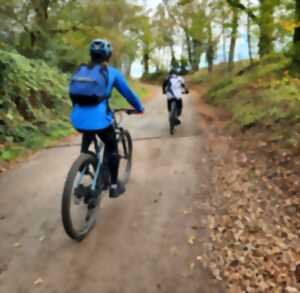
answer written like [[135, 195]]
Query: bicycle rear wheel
[[77, 219], [172, 117], [125, 155]]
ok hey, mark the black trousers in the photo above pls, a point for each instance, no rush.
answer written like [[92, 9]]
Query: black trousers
[[178, 104], [108, 136]]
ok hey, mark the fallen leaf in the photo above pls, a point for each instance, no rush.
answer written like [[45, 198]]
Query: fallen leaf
[[38, 281], [191, 240], [291, 289], [42, 238]]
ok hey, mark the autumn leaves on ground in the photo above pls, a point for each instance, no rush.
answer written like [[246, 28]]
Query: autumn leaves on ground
[[248, 118], [254, 221]]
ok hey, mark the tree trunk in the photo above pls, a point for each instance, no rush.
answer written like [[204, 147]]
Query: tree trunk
[[146, 63], [249, 39], [41, 9], [224, 36], [32, 39], [296, 39], [40, 27], [266, 24], [189, 47], [172, 52], [210, 49], [234, 33], [197, 51]]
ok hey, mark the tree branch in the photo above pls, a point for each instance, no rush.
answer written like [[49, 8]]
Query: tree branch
[[239, 5]]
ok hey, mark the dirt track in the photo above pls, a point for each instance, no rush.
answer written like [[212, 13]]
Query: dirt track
[[140, 242]]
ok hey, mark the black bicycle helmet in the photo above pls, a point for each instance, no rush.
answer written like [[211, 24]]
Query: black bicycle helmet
[[100, 50], [172, 71]]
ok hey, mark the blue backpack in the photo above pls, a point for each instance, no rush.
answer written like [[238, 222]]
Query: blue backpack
[[88, 85]]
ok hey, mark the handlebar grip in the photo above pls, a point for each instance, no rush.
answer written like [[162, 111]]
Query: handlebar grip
[[131, 111], [127, 111]]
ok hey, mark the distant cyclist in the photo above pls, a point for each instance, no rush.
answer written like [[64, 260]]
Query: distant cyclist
[[90, 90], [174, 87]]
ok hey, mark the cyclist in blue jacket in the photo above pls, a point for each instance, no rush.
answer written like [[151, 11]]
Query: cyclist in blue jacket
[[98, 118]]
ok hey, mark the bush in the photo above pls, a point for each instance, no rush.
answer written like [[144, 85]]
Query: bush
[[33, 99]]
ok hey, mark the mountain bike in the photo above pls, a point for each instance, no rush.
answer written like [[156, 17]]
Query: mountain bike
[[174, 112], [89, 177]]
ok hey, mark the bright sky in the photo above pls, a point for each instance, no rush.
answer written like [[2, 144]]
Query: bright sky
[[150, 3], [241, 46], [153, 3]]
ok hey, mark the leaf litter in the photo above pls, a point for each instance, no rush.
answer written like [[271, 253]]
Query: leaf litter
[[38, 282], [254, 225]]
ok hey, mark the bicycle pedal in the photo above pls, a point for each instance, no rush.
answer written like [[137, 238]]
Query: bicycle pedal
[[80, 192], [93, 198]]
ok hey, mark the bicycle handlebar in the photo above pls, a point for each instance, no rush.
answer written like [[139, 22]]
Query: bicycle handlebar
[[127, 111]]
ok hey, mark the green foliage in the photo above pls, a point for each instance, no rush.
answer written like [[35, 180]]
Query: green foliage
[[233, 84], [59, 32], [33, 101], [117, 101], [264, 95], [156, 77], [220, 71]]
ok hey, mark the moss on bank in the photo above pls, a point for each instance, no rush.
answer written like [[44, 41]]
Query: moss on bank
[[33, 105], [264, 94]]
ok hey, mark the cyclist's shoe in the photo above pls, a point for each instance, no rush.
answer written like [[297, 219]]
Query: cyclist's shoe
[[93, 200], [92, 203], [116, 190], [80, 192], [177, 121]]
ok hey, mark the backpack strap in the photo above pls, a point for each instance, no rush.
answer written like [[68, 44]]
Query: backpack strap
[[104, 71]]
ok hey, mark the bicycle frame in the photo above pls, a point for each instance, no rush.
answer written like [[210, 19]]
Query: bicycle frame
[[99, 147]]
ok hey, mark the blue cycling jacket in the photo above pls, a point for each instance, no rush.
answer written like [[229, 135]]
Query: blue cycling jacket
[[97, 117]]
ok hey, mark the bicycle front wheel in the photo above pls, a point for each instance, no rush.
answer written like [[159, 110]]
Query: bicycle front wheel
[[125, 155], [76, 217]]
